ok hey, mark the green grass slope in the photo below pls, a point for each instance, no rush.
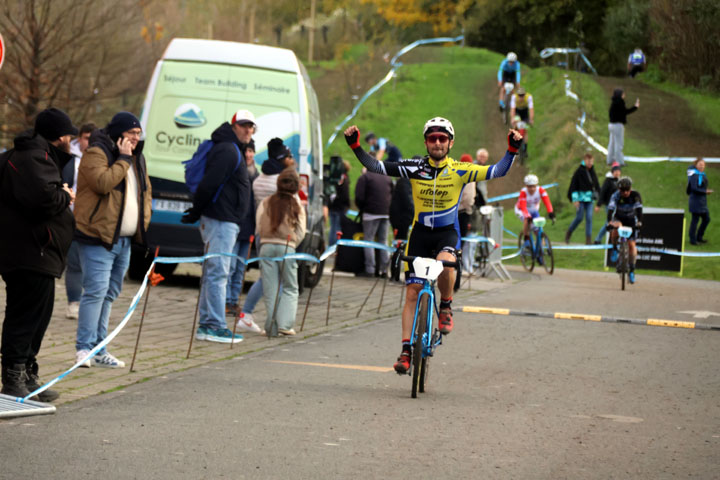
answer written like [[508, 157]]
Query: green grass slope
[[454, 83]]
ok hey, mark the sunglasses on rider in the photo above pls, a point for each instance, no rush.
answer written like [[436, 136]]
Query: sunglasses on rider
[[437, 137]]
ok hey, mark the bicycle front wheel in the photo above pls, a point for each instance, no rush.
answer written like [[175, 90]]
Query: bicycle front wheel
[[623, 263], [547, 253], [420, 327], [526, 252]]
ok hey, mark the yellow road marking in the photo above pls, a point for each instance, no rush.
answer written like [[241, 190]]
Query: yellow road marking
[[367, 368], [670, 323], [578, 316], [497, 311]]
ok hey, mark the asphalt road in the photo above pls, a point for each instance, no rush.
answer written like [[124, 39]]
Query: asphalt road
[[508, 397]]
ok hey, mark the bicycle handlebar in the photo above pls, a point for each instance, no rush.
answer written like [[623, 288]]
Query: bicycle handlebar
[[444, 262]]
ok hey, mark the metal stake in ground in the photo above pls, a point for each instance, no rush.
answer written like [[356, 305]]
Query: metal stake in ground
[[242, 282], [273, 322], [368, 295], [385, 280], [332, 280], [142, 317], [197, 305]]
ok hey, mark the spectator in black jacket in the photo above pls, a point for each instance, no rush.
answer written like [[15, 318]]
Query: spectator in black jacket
[[402, 209], [220, 219], [373, 192], [616, 127], [608, 188], [339, 202], [583, 190], [36, 228]]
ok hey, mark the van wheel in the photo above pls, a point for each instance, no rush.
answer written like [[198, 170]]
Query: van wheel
[[313, 271]]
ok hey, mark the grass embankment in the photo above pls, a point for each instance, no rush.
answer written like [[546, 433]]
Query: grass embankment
[[454, 86]]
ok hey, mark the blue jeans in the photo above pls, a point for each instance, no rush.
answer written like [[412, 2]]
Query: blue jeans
[[376, 229], [103, 273], [219, 237], [237, 272], [253, 297], [585, 209], [73, 274], [335, 227], [270, 271], [603, 229]]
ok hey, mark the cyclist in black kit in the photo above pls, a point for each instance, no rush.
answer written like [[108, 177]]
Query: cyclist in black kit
[[625, 210]]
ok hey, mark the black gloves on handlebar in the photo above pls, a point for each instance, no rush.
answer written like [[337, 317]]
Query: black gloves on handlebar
[[353, 139], [552, 216], [513, 145]]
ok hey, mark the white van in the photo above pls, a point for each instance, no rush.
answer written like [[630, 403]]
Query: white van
[[196, 86]]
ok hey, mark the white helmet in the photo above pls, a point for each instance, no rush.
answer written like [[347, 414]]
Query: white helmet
[[530, 180], [512, 57], [439, 124]]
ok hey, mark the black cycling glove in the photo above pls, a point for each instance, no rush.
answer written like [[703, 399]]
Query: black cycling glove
[[552, 216], [190, 216], [353, 139], [513, 145]]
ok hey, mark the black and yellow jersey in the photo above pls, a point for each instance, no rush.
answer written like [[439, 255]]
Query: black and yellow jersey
[[436, 185]]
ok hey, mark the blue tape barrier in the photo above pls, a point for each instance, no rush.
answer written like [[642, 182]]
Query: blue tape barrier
[[506, 230], [549, 52], [394, 64], [630, 158], [306, 257], [508, 196]]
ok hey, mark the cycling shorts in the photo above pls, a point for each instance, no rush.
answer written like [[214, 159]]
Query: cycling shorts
[[509, 77], [524, 114], [429, 242], [629, 222]]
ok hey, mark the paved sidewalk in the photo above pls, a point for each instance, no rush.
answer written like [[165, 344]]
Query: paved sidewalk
[[168, 325]]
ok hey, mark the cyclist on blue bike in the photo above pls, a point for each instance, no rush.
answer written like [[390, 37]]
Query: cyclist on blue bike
[[509, 72], [528, 204], [625, 209], [437, 182]]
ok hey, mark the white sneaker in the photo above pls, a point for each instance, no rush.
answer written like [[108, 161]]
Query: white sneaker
[[79, 355], [73, 309], [107, 361], [246, 323]]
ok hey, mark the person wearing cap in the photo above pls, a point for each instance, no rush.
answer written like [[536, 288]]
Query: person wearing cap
[[609, 187], [220, 203], [112, 210], [379, 146], [36, 228]]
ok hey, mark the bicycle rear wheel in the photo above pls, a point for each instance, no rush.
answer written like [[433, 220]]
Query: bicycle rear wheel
[[420, 326], [547, 253], [526, 252]]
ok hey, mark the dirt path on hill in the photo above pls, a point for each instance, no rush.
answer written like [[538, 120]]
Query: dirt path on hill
[[664, 120]]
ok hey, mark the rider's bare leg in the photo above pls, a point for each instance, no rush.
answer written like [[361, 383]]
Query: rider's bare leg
[[411, 295], [446, 280]]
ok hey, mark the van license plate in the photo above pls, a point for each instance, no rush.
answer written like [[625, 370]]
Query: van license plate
[[171, 205]]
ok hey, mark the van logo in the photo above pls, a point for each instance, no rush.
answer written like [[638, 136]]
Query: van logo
[[189, 115]]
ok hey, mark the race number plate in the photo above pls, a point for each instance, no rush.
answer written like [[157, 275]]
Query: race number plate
[[427, 268]]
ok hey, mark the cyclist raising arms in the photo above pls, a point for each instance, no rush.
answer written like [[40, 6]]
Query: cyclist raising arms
[[625, 209], [437, 183], [509, 72], [528, 204]]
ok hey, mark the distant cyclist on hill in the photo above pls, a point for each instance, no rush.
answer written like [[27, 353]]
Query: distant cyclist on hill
[[528, 204], [437, 183], [521, 103], [625, 209], [380, 146], [509, 71], [636, 63]]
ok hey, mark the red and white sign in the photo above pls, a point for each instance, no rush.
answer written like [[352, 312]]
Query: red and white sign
[[2, 50]]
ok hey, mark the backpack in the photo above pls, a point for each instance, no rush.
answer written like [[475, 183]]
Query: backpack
[[195, 167]]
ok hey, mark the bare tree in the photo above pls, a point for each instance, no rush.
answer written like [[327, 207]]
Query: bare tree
[[66, 53]]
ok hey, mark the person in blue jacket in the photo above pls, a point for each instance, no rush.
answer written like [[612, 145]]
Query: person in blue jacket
[[509, 71], [698, 191]]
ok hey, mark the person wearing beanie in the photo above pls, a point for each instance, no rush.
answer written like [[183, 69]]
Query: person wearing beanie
[[280, 221], [220, 203], [616, 127], [112, 210], [608, 188], [279, 158], [36, 229]]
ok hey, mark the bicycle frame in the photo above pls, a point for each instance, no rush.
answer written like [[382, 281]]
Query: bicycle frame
[[429, 340], [539, 223]]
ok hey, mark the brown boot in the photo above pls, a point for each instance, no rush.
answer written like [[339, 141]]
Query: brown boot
[[588, 240], [567, 236]]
